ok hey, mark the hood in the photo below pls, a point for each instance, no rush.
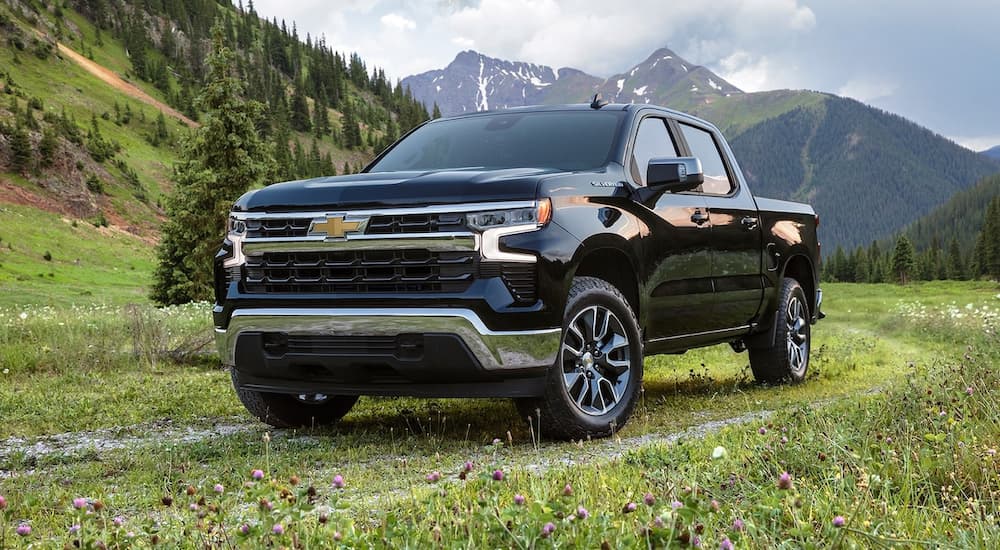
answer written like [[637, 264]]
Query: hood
[[397, 189]]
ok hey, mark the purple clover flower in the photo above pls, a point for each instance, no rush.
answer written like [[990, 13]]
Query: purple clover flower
[[23, 530], [519, 500], [785, 481], [338, 481], [726, 544], [548, 529], [649, 499], [582, 513], [219, 488], [278, 529], [738, 525], [839, 521], [498, 475], [630, 507], [79, 503], [257, 474]]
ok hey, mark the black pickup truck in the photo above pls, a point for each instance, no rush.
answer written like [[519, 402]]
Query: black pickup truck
[[535, 253]]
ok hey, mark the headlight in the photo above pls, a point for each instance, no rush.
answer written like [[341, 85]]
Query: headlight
[[495, 224], [235, 231], [537, 215]]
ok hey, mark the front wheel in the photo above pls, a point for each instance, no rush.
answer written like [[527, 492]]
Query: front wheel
[[788, 358], [294, 411], [593, 386]]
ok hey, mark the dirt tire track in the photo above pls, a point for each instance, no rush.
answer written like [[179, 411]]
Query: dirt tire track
[[112, 79]]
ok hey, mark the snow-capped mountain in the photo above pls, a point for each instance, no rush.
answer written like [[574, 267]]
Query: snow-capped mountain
[[475, 82], [665, 78]]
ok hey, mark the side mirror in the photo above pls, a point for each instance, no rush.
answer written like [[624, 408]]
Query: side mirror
[[674, 175]]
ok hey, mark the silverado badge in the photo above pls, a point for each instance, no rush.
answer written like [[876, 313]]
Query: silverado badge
[[335, 227]]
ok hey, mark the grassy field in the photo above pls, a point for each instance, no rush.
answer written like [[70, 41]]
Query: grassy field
[[86, 264], [890, 441]]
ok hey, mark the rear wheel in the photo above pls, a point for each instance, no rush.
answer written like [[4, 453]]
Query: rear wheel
[[294, 411], [788, 358], [592, 388]]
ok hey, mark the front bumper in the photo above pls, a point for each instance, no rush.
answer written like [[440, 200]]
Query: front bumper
[[494, 351]]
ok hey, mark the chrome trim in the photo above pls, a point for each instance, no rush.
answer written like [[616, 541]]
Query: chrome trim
[[435, 209], [741, 328], [491, 244], [495, 350], [427, 241]]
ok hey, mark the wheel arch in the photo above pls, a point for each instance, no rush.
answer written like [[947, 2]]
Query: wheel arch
[[797, 266], [613, 264], [800, 267]]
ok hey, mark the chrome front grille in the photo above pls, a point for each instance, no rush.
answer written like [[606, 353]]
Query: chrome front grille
[[416, 223], [269, 228], [360, 271]]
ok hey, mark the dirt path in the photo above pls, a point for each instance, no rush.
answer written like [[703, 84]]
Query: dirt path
[[115, 81], [169, 433]]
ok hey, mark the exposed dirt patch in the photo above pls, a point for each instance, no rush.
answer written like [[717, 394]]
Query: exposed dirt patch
[[115, 81]]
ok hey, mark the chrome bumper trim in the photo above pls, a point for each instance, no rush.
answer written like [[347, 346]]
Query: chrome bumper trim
[[495, 350]]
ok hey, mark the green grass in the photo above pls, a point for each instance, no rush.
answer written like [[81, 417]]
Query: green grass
[[898, 341], [88, 264]]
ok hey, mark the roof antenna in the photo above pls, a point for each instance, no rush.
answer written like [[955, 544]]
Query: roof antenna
[[597, 102]]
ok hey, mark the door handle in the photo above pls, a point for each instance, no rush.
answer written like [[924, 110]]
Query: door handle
[[699, 218], [749, 223]]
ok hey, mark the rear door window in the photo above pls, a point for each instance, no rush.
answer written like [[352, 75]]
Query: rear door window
[[703, 146]]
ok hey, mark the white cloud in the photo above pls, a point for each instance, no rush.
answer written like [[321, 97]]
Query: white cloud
[[398, 22], [867, 88], [576, 33], [463, 42]]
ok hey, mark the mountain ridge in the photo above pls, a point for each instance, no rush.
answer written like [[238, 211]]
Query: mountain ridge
[[992, 152]]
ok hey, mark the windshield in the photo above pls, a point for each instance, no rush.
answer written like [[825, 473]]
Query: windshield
[[564, 140]]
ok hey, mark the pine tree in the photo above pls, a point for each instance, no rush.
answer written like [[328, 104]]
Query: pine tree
[[20, 149], [47, 147], [222, 159], [990, 236], [955, 266], [861, 267], [161, 127], [437, 111], [300, 120], [903, 262]]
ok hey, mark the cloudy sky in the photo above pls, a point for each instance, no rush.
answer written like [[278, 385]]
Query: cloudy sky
[[933, 62]]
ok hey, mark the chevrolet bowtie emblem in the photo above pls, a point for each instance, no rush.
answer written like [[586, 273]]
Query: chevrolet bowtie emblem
[[334, 227]]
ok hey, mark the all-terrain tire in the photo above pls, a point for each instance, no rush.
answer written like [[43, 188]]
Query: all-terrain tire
[[592, 393], [787, 360], [289, 411]]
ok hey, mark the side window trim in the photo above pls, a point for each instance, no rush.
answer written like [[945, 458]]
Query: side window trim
[[734, 182]]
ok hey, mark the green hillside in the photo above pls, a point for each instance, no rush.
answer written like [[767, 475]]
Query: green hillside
[[96, 97], [960, 218], [867, 173]]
